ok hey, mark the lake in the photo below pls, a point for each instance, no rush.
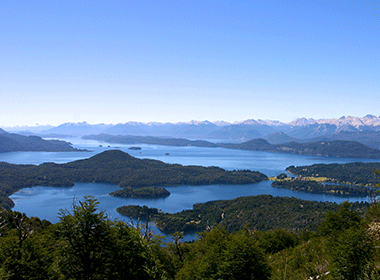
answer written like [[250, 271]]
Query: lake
[[45, 202]]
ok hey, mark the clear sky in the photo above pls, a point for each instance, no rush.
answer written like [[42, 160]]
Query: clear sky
[[170, 61]]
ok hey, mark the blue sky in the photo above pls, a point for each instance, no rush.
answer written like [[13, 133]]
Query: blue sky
[[171, 61]]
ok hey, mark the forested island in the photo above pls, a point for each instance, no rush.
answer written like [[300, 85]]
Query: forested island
[[310, 186], [335, 148], [357, 173], [263, 212], [142, 192], [11, 142], [117, 167]]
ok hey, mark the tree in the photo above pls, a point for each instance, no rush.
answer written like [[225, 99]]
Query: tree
[[220, 255], [243, 260], [341, 220], [351, 252], [97, 248]]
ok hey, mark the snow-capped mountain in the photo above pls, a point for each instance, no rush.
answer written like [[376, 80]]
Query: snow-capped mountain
[[303, 129]]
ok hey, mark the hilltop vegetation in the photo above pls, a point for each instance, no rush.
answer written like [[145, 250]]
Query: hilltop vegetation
[[117, 167]]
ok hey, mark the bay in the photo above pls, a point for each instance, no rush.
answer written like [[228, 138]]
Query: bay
[[45, 202]]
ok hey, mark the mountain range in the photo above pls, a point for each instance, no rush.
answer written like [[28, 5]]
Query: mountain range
[[365, 130]]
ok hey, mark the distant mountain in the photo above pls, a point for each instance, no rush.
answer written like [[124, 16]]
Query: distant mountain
[[249, 129], [370, 138], [131, 139], [10, 142], [338, 148], [302, 129], [302, 122], [252, 145], [310, 131], [76, 129], [280, 138], [28, 130]]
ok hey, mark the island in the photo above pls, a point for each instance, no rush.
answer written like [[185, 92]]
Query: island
[[134, 148], [119, 168], [144, 192]]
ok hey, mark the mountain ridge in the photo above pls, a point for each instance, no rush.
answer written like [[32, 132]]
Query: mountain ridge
[[301, 128]]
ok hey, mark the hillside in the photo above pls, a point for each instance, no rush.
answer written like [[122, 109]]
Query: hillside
[[10, 142], [337, 148]]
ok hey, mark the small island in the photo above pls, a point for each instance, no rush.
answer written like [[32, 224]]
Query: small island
[[145, 192], [137, 212], [134, 148]]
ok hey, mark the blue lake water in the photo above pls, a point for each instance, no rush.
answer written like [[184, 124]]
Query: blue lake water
[[45, 202]]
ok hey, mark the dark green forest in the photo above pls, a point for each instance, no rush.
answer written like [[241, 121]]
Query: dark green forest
[[86, 244]]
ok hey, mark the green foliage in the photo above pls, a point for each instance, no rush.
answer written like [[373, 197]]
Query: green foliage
[[97, 248], [340, 220], [242, 259], [351, 252], [274, 241], [308, 260], [219, 255]]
